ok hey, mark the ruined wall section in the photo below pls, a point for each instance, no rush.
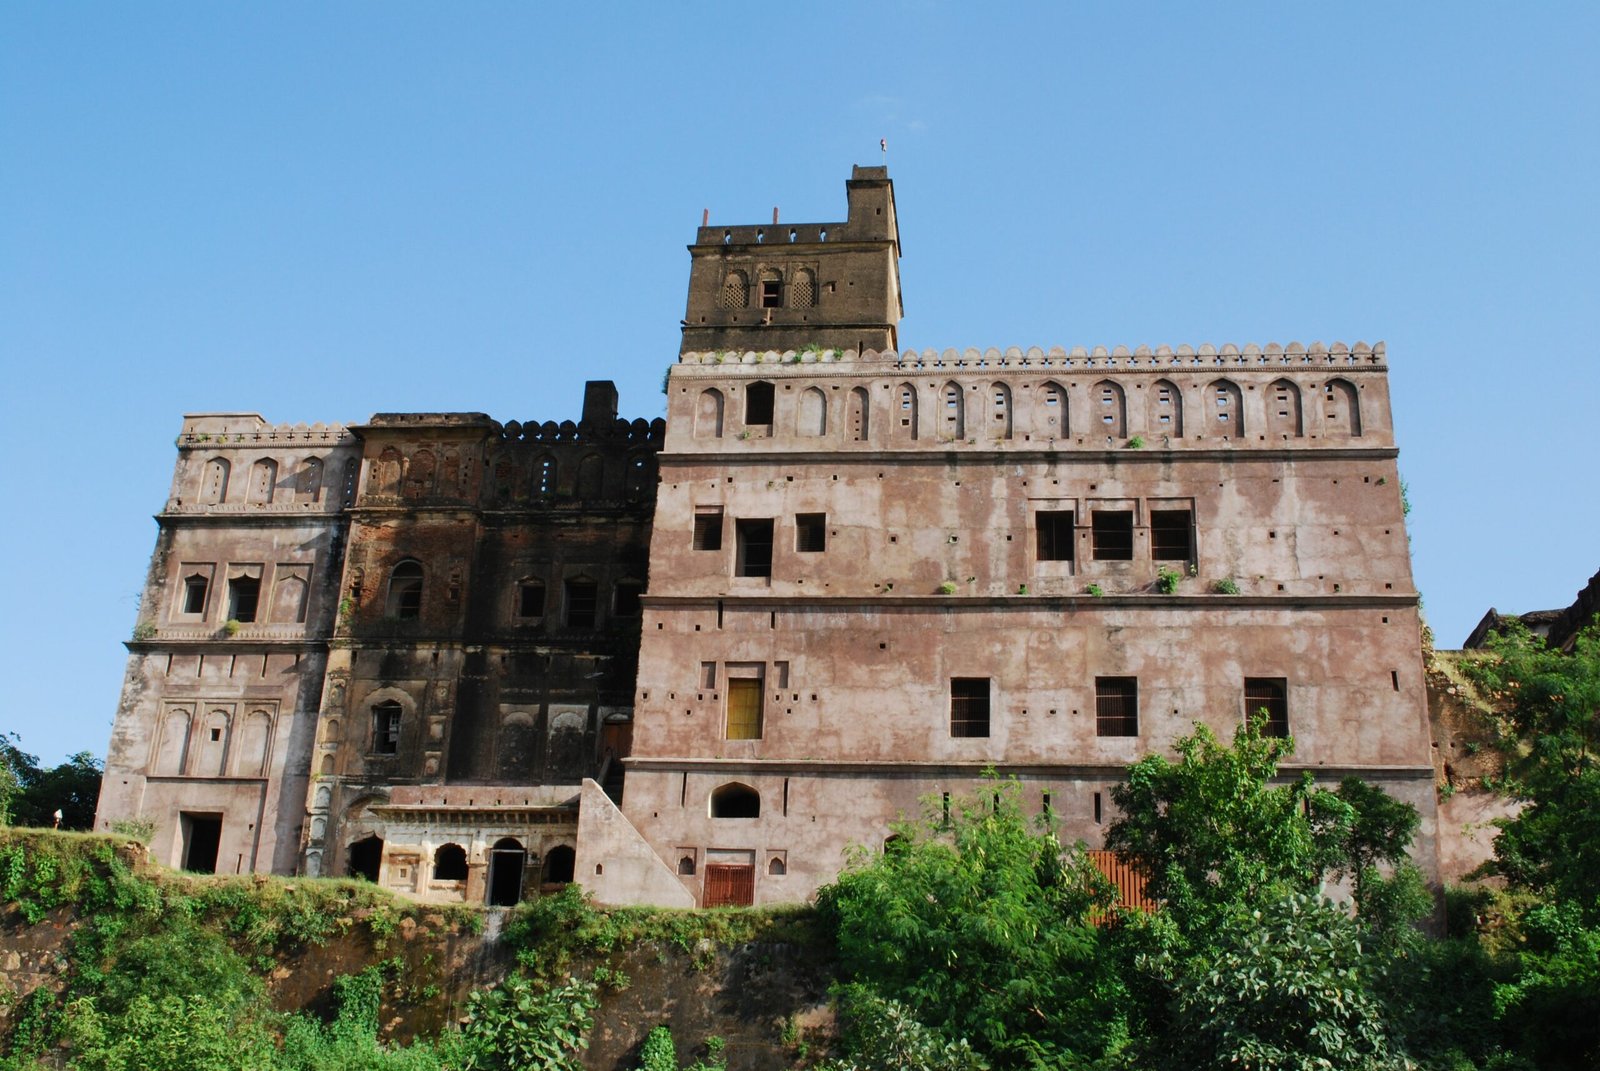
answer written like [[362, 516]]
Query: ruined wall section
[[490, 623], [225, 670]]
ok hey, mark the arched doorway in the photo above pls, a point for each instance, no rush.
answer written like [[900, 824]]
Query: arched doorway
[[365, 856], [506, 861], [558, 865]]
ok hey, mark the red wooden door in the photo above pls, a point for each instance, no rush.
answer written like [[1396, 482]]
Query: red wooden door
[[730, 886]]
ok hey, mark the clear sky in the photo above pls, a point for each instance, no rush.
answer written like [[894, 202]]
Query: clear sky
[[317, 212]]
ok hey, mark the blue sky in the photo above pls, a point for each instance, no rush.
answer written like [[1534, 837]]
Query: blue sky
[[318, 212]]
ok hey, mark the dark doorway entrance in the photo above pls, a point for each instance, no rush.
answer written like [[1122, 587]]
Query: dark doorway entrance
[[506, 860], [202, 834], [365, 857], [558, 865]]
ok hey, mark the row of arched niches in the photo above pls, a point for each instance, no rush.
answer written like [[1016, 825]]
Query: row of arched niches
[[1084, 410]]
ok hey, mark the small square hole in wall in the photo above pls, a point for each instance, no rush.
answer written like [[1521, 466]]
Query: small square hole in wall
[[1386, 621], [1280, 587]]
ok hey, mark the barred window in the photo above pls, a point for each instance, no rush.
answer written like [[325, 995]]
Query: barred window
[[810, 532], [1116, 706], [1170, 535], [1054, 530], [1266, 701], [1113, 535], [969, 706]]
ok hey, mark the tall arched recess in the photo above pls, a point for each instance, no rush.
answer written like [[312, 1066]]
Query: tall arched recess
[[708, 414], [1111, 410], [1283, 410], [1166, 409], [905, 412], [811, 416], [1341, 406], [1050, 412], [1228, 404]]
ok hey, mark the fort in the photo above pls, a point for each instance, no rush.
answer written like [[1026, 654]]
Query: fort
[[693, 660]]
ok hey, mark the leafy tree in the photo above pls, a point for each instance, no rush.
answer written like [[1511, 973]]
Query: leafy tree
[[979, 926], [1552, 710], [1211, 833], [34, 794]]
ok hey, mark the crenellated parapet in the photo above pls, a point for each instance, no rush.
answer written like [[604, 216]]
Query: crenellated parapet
[[638, 432], [1271, 355], [246, 430]]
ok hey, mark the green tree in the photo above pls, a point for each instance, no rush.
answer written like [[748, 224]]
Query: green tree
[[978, 924], [1551, 704], [1211, 832], [35, 794]]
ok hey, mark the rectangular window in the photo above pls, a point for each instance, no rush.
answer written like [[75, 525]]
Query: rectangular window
[[1269, 695], [969, 706], [1113, 535], [581, 599], [195, 587], [755, 547], [244, 594], [627, 599], [810, 532], [771, 293], [758, 399], [1170, 535], [1116, 706], [744, 708], [530, 599], [386, 728], [708, 528], [1054, 528]]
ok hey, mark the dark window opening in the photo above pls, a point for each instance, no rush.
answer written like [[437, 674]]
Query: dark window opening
[[244, 594], [969, 706], [735, 801], [777, 867], [202, 837], [810, 532], [627, 600], [1116, 706], [1113, 535], [686, 866], [758, 404], [771, 293], [450, 863], [560, 863], [530, 599], [1170, 535], [708, 528], [405, 591], [507, 860], [194, 594], [1266, 702], [1054, 528], [386, 728], [582, 597], [365, 857], [754, 546]]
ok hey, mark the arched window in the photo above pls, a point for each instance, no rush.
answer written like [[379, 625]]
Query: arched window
[[1342, 407], [803, 289], [309, 484], [776, 867], [559, 865], [386, 727], [637, 487], [364, 858], [735, 801], [905, 411], [735, 290], [214, 482], [999, 411], [544, 477], [1283, 410], [506, 862], [450, 863], [518, 739], [1111, 409], [386, 473], [352, 469], [195, 587], [708, 415], [263, 481], [1229, 406], [813, 413], [1050, 415], [420, 473], [1166, 409], [953, 422], [591, 478], [405, 591], [758, 398], [686, 866], [860, 414]]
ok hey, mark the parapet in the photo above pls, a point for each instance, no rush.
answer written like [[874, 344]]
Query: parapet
[[1229, 355], [217, 430]]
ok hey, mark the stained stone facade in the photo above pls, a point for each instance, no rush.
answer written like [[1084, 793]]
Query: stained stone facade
[[838, 581]]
